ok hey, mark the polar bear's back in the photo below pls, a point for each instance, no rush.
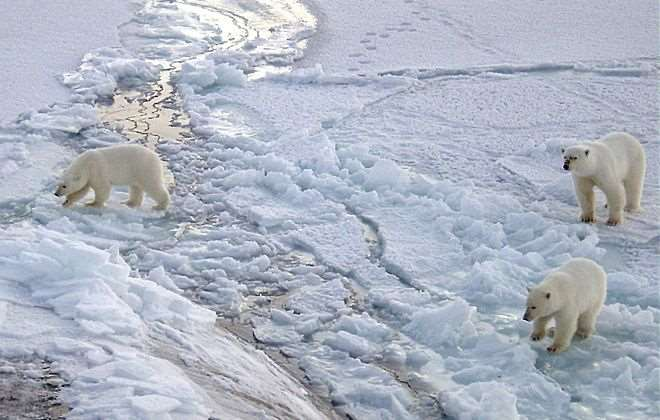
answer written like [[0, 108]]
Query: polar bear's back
[[127, 163], [588, 281], [626, 150]]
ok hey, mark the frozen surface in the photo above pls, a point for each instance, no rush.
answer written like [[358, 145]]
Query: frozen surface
[[372, 225], [423, 34], [40, 43]]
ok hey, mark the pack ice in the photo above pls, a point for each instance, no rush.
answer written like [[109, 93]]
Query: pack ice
[[367, 191]]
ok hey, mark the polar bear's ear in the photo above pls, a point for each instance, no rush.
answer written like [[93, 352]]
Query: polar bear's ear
[[586, 152], [547, 295]]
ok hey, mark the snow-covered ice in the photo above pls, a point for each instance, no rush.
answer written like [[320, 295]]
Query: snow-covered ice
[[366, 191], [40, 43]]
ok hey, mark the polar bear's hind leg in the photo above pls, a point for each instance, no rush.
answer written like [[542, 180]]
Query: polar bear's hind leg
[[160, 195], [586, 324], [634, 186]]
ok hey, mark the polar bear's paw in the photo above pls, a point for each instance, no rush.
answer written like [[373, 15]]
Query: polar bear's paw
[[536, 336], [131, 204], [613, 221], [94, 204], [556, 348], [583, 333], [588, 218]]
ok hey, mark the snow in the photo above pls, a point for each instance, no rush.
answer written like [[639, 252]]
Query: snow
[[363, 200], [39, 43]]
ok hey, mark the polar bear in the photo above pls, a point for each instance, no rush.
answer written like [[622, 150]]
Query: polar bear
[[573, 295], [616, 164], [127, 164]]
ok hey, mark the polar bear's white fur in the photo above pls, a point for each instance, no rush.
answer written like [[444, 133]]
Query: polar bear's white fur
[[616, 164], [100, 169], [573, 295]]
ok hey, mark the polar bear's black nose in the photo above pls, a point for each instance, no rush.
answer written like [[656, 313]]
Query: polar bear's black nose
[[566, 166]]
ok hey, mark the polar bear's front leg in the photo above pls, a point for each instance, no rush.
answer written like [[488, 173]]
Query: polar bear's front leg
[[584, 190], [135, 197], [616, 199], [101, 195], [72, 198], [564, 331], [539, 328]]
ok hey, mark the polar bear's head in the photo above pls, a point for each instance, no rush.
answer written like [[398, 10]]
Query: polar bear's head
[[579, 160], [541, 301], [71, 182]]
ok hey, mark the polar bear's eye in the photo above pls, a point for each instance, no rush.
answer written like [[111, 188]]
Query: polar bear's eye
[[533, 307], [63, 187]]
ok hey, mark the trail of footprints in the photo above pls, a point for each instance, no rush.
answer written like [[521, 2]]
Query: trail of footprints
[[370, 40]]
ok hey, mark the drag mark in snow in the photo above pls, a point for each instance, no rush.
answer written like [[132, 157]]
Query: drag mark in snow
[[599, 68], [376, 244]]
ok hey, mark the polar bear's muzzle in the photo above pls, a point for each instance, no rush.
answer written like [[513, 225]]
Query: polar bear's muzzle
[[566, 164]]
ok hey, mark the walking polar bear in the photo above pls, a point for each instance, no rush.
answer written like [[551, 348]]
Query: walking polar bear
[[573, 295], [616, 164], [100, 169]]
